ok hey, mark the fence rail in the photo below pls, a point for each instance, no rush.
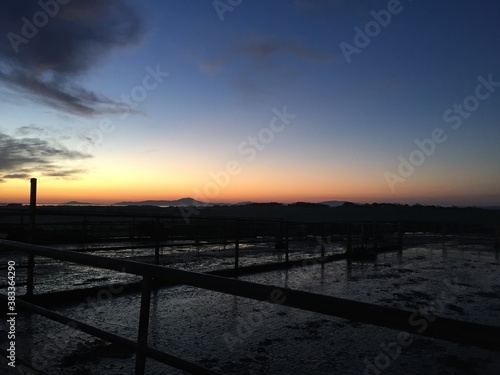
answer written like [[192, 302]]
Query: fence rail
[[442, 328]]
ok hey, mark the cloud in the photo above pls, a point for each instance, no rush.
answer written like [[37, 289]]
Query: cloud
[[46, 63], [21, 158], [332, 12], [30, 130], [328, 5], [264, 50], [16, 176], [269, 48], [66, 174], [318, 4], [255, 63]]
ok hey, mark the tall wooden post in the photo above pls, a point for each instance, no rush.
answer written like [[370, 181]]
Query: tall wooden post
[[33, 208], [30, 284]]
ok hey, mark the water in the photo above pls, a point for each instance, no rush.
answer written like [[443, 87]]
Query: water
[[238, 335], [52, 275]]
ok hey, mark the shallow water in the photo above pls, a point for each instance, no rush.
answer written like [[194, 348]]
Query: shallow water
[[238, 335], [52, 275]]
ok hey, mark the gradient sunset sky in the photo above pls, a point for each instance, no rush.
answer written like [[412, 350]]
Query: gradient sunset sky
[[253, 100]]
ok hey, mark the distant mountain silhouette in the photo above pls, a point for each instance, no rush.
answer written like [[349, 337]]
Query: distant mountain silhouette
[[333, 203], [77, 203], [193, 202], [171, 203]]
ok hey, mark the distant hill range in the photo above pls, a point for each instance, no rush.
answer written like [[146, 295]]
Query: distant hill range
[[184, 202], [76, 203], [193, 202], [298, 211], [333, 203], [175, 203]]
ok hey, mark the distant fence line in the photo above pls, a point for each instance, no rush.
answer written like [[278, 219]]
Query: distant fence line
[[53, 226]]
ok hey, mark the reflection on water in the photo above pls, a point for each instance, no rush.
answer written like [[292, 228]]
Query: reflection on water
[[195, 324], [51, 275]]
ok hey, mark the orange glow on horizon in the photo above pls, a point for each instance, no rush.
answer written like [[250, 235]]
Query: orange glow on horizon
[[57, 192], [108, 186]]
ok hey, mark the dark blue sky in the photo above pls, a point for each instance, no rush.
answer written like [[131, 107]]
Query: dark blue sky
[[355, 123]]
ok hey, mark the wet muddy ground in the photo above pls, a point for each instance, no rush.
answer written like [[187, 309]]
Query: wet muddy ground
[[236, 335]]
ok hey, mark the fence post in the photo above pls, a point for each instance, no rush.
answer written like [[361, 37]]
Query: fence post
[[444, 232], [30, 283], [497, 238], [323, 239], [132, 228], [280, 245], [400, 236], [286, 241], [142, 340], [237, 248], [157, 241], [84, 228], [349, 240]]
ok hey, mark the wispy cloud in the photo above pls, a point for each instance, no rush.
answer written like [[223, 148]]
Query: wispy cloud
[[269, 48], [319, 4], [323, 10], [24, 157], [30, 130], [47, 67], [260, 50], [253, 63]]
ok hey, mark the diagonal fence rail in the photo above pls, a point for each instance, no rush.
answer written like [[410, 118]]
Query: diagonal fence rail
[[461, 332]]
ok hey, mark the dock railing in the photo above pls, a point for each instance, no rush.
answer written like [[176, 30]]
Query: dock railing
[[442, 328]]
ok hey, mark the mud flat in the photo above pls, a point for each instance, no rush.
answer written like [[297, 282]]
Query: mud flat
[[237, 335]]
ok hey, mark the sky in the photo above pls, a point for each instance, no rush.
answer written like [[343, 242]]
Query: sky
[[239, 100]]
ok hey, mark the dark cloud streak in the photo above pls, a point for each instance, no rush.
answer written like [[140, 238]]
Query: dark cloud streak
[[24, 157], [49, 65], [259, 61], [265, 49]]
